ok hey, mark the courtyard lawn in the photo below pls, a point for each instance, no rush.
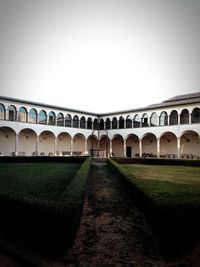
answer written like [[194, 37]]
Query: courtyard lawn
[[177, 185], [169, 196], [45, 181], [41, 203]]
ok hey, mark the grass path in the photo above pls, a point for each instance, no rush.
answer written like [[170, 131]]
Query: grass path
[[112, 232]]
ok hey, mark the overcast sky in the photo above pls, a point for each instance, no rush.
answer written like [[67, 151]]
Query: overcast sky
[[99, 55]]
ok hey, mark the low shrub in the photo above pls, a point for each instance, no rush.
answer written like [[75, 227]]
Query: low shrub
[[173, 210]]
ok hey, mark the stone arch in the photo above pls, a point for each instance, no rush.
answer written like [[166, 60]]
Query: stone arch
[[12, 113], [104, 143], [132, 141], [173, 118], [68, 120], [117, 146], [168, 145], [114, 123], [42, 117], [89, 123], [51, 118], [154, 119], [2, 112], [108, 123], [27, 142], [190, 144], [195, 116], [136, 121], [95, 124], [149, 145], [102, 124], [63, 144], [184, 117], [92, 143], [79, 144], [145, 122], [128, 122], [22, 114], [46, 146], [32, 117], [163, 121], [82, 122], [7, 141], [121, 122], [60, 119], [75, 121]]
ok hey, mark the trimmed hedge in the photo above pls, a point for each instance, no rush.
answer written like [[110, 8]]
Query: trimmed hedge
[[46, 226], [158, 161], [27, 159], [175, 221]]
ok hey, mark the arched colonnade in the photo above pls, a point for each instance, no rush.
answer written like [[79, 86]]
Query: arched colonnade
[[27, 142]]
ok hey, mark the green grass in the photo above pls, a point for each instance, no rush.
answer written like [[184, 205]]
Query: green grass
[[168, 184], [41, 205], [45, 181], [169, 197]]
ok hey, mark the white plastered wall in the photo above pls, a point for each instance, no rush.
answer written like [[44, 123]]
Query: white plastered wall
[[7, 142], [63, 143], [133, 142], [27, 143], [46, 143], [118, 147]]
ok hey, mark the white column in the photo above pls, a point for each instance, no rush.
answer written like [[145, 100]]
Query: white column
[[37, 145], [158, 148], [16, 144], [71, 146], [167, 119], [178, 147], [110, 148], [124, 148], [85, 148], [55, 145], [179, 119], [190, 118], [140, 147]]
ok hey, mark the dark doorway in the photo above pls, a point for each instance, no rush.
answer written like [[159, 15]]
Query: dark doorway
[[128, 151]]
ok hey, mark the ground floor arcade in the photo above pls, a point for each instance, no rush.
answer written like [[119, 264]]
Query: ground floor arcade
[[29, 143]]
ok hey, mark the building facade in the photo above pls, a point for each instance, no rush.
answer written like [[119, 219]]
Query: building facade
[[170, 129]]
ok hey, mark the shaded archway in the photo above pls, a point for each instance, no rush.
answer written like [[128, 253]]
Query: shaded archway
[[27, 142], [63, 144], [46, 146], [7, 141], [79, 145], [184, 117], [168, 145], [92, 144], [190, 145], [149, 145], [195, 116], [132, 145], [173, 118], [117, 146]]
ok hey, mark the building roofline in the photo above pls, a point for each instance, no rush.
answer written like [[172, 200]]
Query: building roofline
[[47, 105], [175, 101]]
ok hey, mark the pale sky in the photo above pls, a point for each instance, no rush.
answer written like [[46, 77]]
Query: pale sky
[[99, 55]]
